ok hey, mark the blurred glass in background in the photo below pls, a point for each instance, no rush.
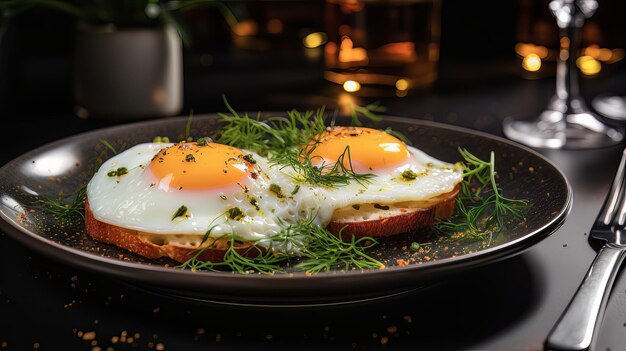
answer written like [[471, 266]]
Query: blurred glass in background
[[382, 47], [537, 47]]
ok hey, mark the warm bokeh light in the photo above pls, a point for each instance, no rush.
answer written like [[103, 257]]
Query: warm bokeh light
[[346, 102], [401, 93], [605, 54], [159, 96], [588, 65], [525, 49], [617, 55], [275, 26], [592, 50], [402, 84], [348, 53], [351, 86], [314, 40], [246, 28], [531, 62]]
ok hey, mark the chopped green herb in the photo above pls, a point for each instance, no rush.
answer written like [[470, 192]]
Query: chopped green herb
[[277, 190], [409, 174], [117, 172], [235, 213], [254, 203], [223, 197], [415, 246], [122, 171], [204, 141], [248, 158], [182, 211], [190, 158]]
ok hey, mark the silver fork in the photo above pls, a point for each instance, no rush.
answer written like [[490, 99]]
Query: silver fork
[[575, 329]]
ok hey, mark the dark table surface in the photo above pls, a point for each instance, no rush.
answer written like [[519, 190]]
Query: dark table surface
[[506, 305]]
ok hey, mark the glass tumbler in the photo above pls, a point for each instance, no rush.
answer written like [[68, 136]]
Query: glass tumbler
[[382, 47]]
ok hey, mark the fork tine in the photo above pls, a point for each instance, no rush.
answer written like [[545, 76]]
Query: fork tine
[[620, 221], [614, 204]]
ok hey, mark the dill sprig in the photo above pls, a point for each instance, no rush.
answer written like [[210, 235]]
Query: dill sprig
[[270, 134], [297, 129], [108, 145], [245, 132], [65, 211], [368, 111], [278, 133], [187, 136], [481, 206], [320, 251], [324, 251], [253, 259], [329, 175]]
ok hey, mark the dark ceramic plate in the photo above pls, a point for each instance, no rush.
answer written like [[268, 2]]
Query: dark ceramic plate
[[64, 166]]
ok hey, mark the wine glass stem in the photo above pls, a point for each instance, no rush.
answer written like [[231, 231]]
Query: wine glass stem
[[567, 97]]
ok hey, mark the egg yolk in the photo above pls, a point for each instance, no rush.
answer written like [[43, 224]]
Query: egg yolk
[[193, 166], [370, 149]]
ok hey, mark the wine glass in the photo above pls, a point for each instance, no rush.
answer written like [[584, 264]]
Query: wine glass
[[567, 122]]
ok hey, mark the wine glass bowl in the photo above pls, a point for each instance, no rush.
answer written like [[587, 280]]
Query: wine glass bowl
[[567, 122]]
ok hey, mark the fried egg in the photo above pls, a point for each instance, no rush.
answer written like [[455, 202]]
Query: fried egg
[[399, 173], [191, 188]]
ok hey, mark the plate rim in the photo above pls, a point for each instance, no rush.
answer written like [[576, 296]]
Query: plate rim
[[106, 264]]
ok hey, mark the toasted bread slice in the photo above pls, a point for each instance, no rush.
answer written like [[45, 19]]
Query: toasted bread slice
[[177, 247], [375, 220], [380, 220]]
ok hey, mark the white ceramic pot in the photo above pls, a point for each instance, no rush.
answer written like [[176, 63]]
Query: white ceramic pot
[[129, 73]]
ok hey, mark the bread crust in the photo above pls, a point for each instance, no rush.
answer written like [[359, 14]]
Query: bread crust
[[141, 243], [400, 220]]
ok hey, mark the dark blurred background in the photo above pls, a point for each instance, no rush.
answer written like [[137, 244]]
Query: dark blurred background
[[482, 43]]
